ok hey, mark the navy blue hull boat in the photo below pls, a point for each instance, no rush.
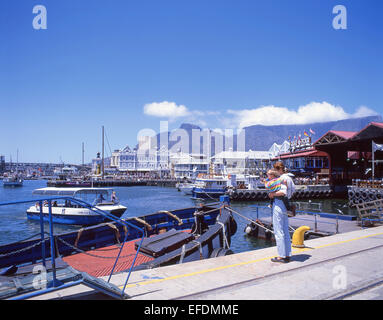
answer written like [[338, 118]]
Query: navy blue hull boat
[[135, 243]]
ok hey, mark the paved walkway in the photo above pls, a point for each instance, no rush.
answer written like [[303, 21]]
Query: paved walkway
[[343, 266]]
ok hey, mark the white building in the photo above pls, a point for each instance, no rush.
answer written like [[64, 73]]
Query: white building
[[277, 149], [188, 165], [241, 162], [142, 161]]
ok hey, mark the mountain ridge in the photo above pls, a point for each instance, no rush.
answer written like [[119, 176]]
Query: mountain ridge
[[261, 137]]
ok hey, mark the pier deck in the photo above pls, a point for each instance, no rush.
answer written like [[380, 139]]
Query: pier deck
[[323, 224], [342, 266]]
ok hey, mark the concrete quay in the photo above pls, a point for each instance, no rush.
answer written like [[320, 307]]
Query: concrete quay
[[341, 266]]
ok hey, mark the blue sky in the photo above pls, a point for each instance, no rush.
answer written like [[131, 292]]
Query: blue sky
[[128, 65]]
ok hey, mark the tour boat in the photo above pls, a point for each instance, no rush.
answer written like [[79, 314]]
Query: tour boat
[[209, 186], [65, 212]]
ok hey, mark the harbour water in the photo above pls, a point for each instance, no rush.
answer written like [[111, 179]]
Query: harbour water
[[140, 200]]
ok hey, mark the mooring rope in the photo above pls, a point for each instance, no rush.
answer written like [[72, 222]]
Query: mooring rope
[[259, 225], [225, 241]]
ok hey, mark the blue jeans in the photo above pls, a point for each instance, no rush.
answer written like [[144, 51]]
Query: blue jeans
[[281, 229]]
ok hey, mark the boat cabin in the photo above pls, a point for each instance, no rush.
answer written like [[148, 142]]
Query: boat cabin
[[94, 196]]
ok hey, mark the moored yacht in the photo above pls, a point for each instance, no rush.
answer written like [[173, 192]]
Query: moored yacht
[[13, 181]]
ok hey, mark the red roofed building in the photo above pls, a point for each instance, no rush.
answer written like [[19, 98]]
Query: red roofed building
[[350, 153], [343, 155], [305, 162]]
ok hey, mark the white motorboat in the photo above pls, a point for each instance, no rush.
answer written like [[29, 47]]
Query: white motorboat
[[66, 212]]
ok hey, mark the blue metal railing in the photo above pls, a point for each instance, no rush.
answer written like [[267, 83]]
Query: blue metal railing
[[56, 284], [314, 214]]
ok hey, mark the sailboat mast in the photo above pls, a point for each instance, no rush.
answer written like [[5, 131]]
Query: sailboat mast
[[83, 154], [102, 163]]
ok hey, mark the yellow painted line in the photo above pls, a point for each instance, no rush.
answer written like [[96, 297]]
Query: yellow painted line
[[241, 263]]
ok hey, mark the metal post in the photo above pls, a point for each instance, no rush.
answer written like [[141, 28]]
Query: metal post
[[52, 244], [316, 224], [337, 225], [42, 233]]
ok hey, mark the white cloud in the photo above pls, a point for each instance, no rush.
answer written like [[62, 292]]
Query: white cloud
[[166, 109], [363, 111], [310, 113]]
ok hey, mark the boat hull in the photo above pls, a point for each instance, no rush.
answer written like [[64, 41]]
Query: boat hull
[[74, 216], [12, 184], [201, 193]]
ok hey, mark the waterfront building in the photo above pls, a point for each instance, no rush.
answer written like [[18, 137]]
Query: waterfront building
[[277, 149], [305, 161], [142, 161], [124, 160], [185, 165], [353, 155], [241, 162], [163, 162]]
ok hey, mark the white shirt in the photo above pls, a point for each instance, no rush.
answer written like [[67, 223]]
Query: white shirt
[[290, 184]]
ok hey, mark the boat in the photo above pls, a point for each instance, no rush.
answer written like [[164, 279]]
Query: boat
[[186, 188], [13, 181], [208, 186], [124, 245], [66, 212]]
